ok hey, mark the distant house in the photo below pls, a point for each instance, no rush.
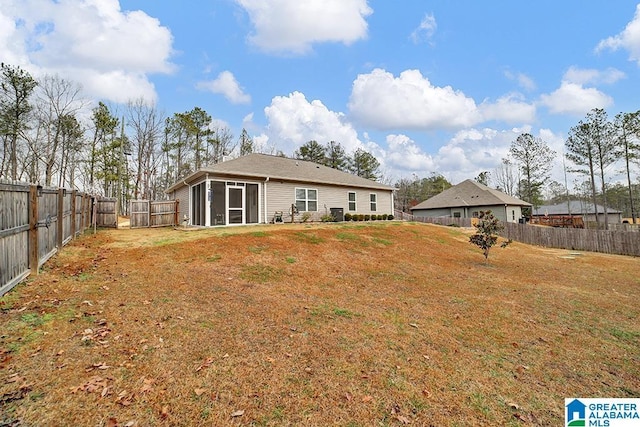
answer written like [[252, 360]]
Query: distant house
[[259, 188], [578, 207], [467, 199]]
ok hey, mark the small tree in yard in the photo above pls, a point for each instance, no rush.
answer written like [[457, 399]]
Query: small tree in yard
[[487, 230]]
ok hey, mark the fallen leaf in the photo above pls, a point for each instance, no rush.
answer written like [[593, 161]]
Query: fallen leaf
[[367, 399], [348, 396], [112, 422], [403, 419], [199, 391], [164, 413], [426, 393], [413, 325], [205, 364], [238, 413]]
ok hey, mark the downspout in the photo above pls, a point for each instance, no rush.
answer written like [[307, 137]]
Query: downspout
[[266, 210], [189, 203]]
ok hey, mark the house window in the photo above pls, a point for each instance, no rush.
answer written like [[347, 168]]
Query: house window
[[513, 215], [352, 201], [456, 214], [306, 199], [476, 214], [373, 201]]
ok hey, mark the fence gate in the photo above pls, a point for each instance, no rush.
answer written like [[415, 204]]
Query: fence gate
[[106, 211], [149, 213]]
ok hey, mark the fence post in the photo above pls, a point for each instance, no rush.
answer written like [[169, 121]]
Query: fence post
[[59, 221], [149, 213], [33, 229], [176, 217], [73, 214]]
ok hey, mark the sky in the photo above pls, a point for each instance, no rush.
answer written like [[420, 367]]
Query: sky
[[427, 86]]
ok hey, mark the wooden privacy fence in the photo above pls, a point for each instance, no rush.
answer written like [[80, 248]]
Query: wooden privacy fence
[[578, 239], [34, 223], [150, 213]]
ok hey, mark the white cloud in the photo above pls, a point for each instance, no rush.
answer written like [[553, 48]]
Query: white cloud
[[472, 151], [524, 81], [410, 101], [425, 31], [510, 108], [294, 121], [383, 101], [584, 76], [404, 154], [628, 39], [294, 26], [227, 85], [574, 97], [107, 50]]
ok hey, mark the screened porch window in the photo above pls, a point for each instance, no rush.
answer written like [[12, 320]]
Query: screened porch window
[[306, 199]]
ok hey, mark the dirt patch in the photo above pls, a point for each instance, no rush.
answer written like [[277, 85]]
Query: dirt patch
[[325, 324]]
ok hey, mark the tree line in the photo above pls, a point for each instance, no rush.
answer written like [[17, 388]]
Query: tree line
[[49, 135], [597, 149]]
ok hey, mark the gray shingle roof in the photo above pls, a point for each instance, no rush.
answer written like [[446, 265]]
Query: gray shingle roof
[[282, 168], [469, 193]]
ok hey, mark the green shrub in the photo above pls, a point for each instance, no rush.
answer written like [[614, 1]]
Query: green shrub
[[327, 218], [367, 217], [360, 217], [390, 217], [385, 216], [374, 217], [347, 217], [306, 216]]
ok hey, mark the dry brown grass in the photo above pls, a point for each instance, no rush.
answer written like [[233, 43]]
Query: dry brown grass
[[316, 325]]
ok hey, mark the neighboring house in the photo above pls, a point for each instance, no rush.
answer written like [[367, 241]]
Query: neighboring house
[[467, 199], [260, 188], [578, 207]]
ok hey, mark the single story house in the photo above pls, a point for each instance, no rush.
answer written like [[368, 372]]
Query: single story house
[[578, 207], [261, 188], [467, 199]]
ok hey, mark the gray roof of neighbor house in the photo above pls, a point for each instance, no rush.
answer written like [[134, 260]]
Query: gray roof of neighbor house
[[575, 207], [469, 193], [264, 166]]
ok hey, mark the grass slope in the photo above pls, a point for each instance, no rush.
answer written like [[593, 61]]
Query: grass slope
[[376, 324]]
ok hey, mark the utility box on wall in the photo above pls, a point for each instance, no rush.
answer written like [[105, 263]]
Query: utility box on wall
[[338, 214]]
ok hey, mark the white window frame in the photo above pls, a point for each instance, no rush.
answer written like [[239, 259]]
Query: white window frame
[[373, 202], [306, 200], [354, 201]]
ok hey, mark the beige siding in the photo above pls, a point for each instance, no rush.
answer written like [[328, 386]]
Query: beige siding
[[181, 194], [281, 195]]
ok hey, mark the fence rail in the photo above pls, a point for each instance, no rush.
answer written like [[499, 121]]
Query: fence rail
[[618, 242], [34, 223], [153, 213]]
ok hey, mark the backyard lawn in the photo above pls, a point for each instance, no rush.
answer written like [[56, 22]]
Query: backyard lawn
[[354, 324]]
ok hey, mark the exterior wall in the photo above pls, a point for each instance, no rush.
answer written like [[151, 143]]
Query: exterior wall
[[468, 212], [184, 207], [281, 195]]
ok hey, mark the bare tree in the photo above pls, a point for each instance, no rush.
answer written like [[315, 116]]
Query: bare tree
[[627, 134], [58, 99], [506, 177], [146, 125]]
